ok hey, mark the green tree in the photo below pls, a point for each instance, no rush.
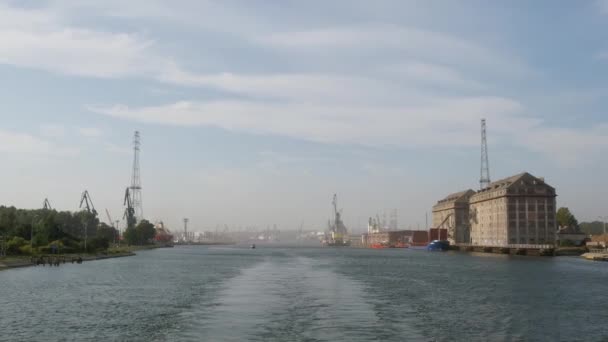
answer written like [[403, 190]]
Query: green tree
[[48, 226], [145, 232], [565, 218], [106, 232], [592, 228], [13, 245], [130, 236]]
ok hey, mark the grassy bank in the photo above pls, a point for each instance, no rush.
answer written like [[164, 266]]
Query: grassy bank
[[570, 251], [15, 261]]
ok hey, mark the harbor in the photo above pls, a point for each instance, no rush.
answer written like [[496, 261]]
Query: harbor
[[353, 294]]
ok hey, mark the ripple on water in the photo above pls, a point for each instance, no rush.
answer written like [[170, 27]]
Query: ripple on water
[[287, 299]]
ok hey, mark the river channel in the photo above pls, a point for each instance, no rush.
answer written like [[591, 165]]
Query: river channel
[[307, 294]]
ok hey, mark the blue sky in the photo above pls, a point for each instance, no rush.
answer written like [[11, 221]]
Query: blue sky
[[256, 112]]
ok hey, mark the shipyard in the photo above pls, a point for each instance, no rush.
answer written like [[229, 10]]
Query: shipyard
[[516, 215], [277, 171]]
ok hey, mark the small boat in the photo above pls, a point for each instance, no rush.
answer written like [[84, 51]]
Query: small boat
[[438, 246], [253, 246]]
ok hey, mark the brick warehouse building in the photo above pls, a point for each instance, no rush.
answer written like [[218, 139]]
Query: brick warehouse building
[[516, 210], [452, 213]]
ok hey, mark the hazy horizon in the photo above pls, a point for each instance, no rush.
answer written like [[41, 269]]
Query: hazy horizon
[[255, 114]]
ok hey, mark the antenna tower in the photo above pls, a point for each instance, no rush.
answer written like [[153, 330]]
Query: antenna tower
[[136, 180], [393, 225], [186, 229], [484, 180]]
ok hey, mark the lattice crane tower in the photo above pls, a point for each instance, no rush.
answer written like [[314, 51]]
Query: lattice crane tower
[[135, 187], [484, 180]]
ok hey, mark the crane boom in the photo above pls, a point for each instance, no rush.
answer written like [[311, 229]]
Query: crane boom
[[47, 205], [110, 218], [88, 202], [129, 210]]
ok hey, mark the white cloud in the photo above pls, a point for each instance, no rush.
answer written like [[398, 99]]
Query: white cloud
[[113, 148], [602, 55], [45, 39], [52, 130], [22, 143], [427, 45], [446, 122], [90, 132], [568, 146], [39, 39], [76, 52], [311, 87], [432, 74], [603, 6]]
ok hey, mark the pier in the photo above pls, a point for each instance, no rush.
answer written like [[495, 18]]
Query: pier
[[596, 255], [515, 249]]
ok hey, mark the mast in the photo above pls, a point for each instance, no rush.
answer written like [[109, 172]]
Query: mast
[[484, 180], [335, 203]]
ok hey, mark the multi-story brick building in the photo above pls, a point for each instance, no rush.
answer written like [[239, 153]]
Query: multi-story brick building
[[515, 210], [452, 213]]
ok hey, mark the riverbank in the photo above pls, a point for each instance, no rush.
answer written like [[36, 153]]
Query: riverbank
[[25, 261], [596, 256], [113, 252]]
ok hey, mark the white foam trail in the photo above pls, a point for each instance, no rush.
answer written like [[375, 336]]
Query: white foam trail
[[286, 299]]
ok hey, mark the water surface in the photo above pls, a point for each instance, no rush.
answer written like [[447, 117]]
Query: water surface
[[307, 294]]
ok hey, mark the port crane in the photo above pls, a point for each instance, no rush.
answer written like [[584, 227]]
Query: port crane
[[47, 205], [449, 224], [112, 224], [88, 203], [110, 218], [129, 210], [90, 208]]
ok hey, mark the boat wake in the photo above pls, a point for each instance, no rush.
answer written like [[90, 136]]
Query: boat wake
[[287, 299]]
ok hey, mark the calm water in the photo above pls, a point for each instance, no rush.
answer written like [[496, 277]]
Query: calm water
[[307, 294]]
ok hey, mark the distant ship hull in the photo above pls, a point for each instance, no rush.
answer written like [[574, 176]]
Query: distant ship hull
[[337, 234], [337, 244]]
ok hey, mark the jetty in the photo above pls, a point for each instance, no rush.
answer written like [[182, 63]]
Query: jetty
[[596, 255]]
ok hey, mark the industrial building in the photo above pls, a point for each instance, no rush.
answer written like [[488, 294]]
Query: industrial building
[[452, 213], [516, 210], [402, 238]]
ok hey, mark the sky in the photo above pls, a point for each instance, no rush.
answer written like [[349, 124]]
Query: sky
[[254, 113]]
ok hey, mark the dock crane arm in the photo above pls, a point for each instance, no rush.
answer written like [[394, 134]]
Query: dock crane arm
[[88, 202], [47, 205], [445, 220], [110, 218], [129, 210]]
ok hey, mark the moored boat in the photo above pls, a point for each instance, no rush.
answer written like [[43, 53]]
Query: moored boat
[[337, 236], [438, 246]]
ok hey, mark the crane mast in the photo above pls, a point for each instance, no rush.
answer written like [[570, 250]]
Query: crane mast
[[129, 215], [86, 200], [47, 205]]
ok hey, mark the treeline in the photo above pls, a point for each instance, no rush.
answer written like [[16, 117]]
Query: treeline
[[50, 231], [142, 234], [592, 228]]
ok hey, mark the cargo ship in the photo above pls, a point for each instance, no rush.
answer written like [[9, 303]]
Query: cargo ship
[[337, 234]]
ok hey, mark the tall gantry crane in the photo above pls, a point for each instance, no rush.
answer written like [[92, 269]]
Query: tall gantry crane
[[47, 205], [113, 224], [484, 180], [110, 219], [129, 215], [86, 200]]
